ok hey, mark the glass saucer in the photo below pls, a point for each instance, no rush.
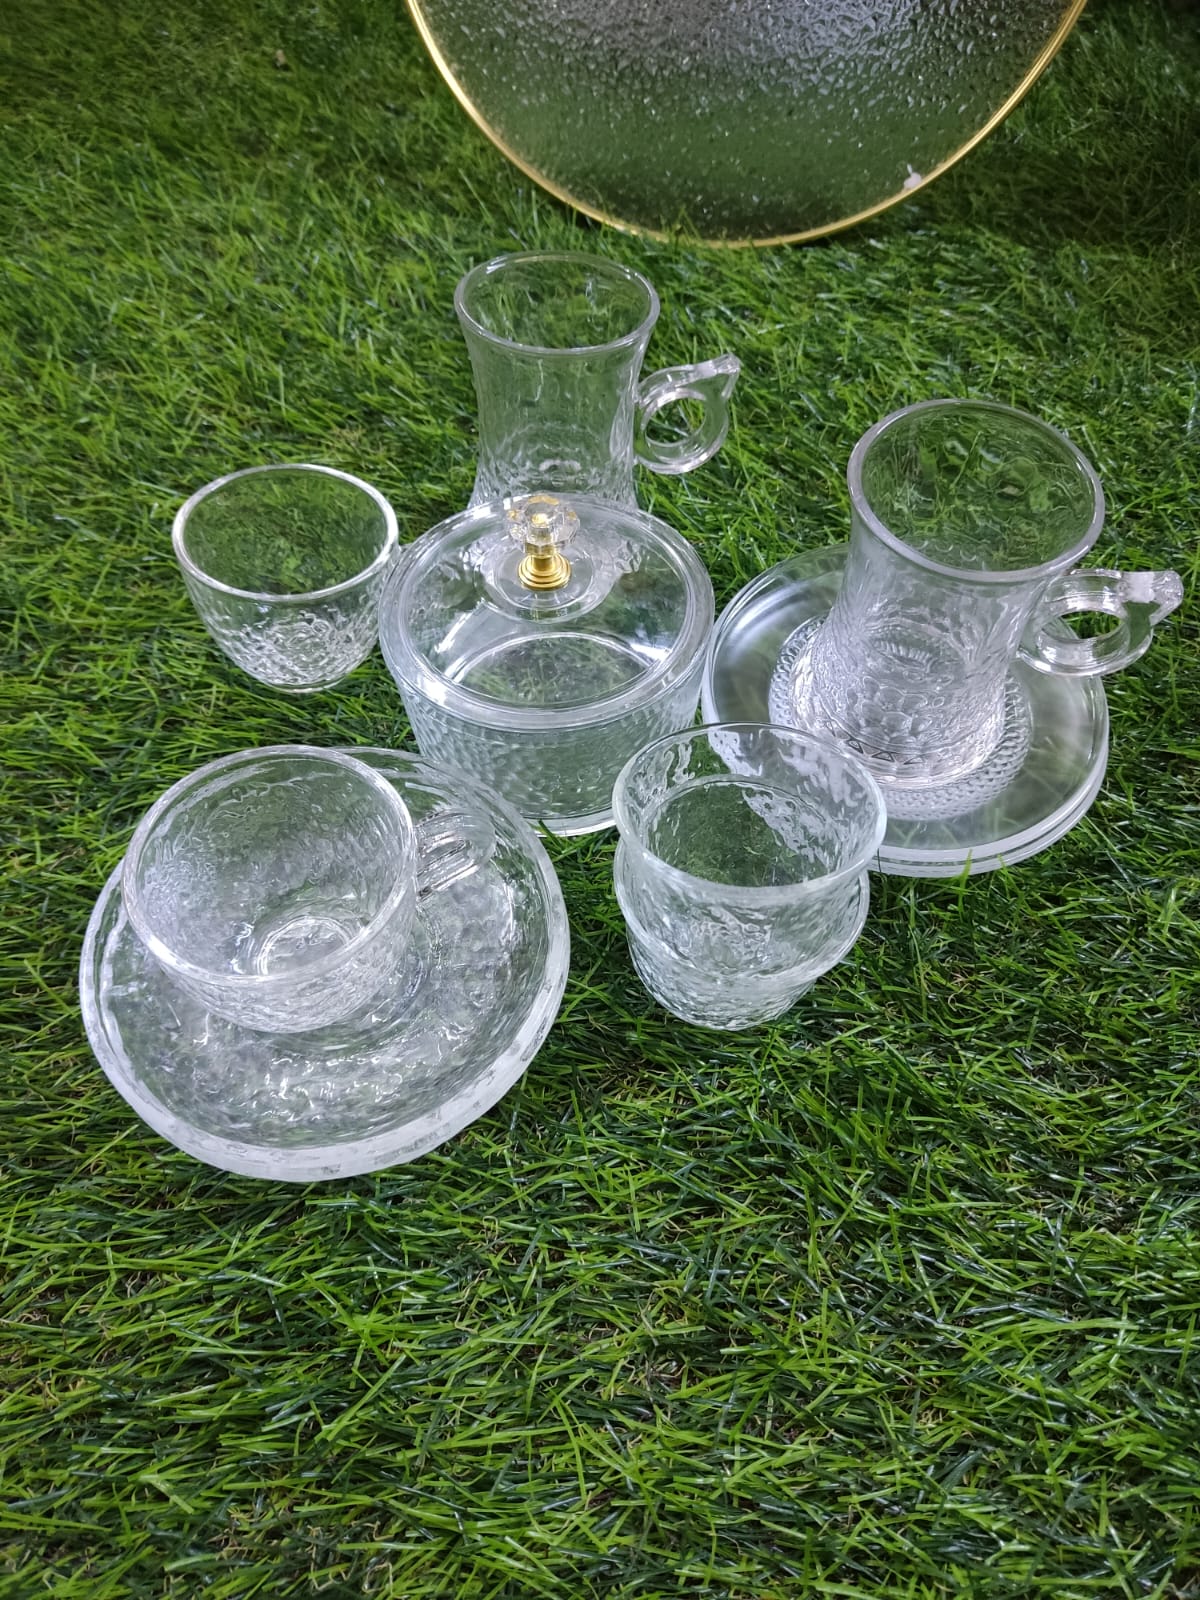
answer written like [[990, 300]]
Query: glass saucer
[[486, 973], [1034, 788]]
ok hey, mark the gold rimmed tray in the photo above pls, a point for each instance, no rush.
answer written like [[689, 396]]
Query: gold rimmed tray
[[738, 121]]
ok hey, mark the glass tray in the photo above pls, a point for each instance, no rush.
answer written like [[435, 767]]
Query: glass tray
[[742, 123]]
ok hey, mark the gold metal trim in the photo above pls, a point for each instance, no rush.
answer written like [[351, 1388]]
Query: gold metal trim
[[1050, 50], [544, 569]]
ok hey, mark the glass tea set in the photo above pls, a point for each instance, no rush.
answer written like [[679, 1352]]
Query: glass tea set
[[316, 962]]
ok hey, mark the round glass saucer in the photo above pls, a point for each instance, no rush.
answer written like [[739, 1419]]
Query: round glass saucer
[[1038, 782], [487, 969]]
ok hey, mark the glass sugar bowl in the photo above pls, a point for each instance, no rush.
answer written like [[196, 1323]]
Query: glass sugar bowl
[[538, 642]]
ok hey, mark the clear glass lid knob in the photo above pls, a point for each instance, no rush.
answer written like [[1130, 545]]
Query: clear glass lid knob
[[542, 524]]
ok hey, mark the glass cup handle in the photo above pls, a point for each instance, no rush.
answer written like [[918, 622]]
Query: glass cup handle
[[452, 845], [1138, 600], [709, 382]]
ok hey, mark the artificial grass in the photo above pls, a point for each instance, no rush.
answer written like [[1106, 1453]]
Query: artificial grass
[[896, 1297]]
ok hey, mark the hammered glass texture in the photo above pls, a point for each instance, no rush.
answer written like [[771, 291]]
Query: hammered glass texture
[[276, 887], [741, 868], [1035, 785], [910, 667], [738, 120], [561, 778], [545, 695], [479, 987], [710, 984], [556, 345], [284, 569], [297, 646]]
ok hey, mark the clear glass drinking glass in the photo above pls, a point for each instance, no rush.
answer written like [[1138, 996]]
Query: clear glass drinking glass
[[556, 345], [277, 886], [284, 565], [967, 519], [741, 870]]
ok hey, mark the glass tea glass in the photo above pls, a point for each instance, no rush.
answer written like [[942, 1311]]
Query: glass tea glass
[[967, 519], [277, 886], [741, 870], [556, 345], [285, 565]]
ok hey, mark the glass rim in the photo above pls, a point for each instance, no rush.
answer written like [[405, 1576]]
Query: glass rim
[[739, 893], [861, 504], [254, 983], [611, 269], [191, 568], [412, 669]]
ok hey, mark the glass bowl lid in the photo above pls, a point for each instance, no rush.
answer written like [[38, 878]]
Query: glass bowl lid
[[545, 612]]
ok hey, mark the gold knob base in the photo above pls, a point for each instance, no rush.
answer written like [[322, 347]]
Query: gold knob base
[[545, 569]]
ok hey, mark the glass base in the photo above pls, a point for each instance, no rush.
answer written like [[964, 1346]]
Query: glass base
[[729, 1002], [792, 699], [677, 988], [1033, 788], [479, 990]]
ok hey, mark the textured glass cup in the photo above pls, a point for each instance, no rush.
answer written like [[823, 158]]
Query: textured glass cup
[[284, 565], [967, 519], [480, 986], [556, 345], [276, 886], [742, 867]]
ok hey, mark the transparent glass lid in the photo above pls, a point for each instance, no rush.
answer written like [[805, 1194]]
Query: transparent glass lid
[[545, 612]]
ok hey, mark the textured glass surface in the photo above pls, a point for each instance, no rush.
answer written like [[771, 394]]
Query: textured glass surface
[[790, 701], [560, 778], [741, 868], [276, 885], [297, 647], [285, 566], [910, 666], [738, 118], [556, 344], [477, 993], [719, 999], [1037, 783], [544, 696]]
